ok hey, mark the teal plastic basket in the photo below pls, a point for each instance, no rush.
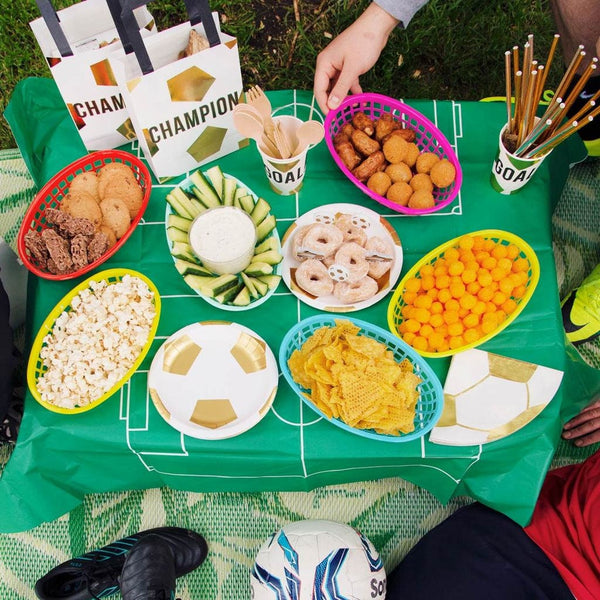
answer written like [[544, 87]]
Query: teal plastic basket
[[431, 397]]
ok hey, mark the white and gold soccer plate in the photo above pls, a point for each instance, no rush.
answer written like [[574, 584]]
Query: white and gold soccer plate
[[213, 380], [488, 397]]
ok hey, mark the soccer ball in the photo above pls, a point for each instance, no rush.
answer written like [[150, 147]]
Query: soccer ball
[[317, 560], [487, 397]]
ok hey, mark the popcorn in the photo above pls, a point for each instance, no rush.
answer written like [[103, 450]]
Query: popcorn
[[94, 344]]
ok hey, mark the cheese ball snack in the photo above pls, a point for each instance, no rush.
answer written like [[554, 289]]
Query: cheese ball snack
[[421, 181], [425, 162], [412, 153], [421, 199], [443, 173], [379, 182], [395, 148], [398, 172], [400, 193]]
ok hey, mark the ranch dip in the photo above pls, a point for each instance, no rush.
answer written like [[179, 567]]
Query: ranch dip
[[223, 238]]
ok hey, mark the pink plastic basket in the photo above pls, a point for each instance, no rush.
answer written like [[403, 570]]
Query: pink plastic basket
[[428, 138]]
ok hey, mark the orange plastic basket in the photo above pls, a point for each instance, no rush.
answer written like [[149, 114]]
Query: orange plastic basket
[[52, 193]]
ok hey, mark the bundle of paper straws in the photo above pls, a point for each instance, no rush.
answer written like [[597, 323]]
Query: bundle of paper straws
[[525, 136]]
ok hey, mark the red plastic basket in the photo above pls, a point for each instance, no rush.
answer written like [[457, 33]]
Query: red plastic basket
[[428, 138], [52, 193]]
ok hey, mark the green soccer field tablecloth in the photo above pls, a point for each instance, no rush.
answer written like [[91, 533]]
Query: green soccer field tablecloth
[[125, 444]]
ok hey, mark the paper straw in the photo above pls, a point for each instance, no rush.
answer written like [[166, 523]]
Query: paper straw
[[507, 67], [549, 60], [565, 82]]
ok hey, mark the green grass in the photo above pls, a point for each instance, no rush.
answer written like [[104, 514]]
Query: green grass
[[453, 49]]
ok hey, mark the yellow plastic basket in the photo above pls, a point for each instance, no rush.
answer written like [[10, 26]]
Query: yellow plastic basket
[[35, 366], [394, 313]]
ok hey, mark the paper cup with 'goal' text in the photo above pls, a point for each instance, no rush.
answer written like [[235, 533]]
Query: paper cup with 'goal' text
[[286, 175], [510, 173]]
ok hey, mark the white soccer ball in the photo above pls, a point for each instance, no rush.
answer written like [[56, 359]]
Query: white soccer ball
[[318, 560]]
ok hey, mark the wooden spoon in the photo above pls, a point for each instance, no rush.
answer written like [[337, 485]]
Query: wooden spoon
[[308, 134], [250, 126]]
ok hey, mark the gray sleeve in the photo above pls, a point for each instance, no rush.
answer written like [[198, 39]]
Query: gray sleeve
[[403, 10]]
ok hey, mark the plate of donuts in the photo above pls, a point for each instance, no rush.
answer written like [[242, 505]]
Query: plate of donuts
[[341, 257]]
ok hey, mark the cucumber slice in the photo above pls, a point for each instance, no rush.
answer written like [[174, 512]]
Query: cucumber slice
[[265, 228], [228, 295], [176, 235], [250, 285], [190, 206], [185, 267], [271, 280], [243, 298], [254, 269], [271, 257], [261, 287], [269, 244], [182, 223], [229, 187], [204, 191], [260, 211], [183, 251], [177, 205], [217, 179], [247, 204], [219, 284], [239, 192], [198, 282]]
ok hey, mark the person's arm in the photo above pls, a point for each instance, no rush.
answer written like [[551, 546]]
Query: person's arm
[[352, 53], [584, 429]]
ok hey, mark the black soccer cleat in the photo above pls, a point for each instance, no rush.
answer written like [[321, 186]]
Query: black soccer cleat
[[149, 571], [95, 574]]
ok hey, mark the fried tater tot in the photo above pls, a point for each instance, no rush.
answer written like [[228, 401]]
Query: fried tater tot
[[348, 154], [361, 121], [364, 144], [370, 165]]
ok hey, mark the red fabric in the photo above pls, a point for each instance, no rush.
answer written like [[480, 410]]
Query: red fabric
[[566, 525]]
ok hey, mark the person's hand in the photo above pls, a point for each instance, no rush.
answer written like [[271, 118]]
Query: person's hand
[[351, 54], [584, 429]]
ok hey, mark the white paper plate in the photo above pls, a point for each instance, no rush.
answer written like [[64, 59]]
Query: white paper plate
[[186, 185], [213, 380], [373, 224], [488, 397]]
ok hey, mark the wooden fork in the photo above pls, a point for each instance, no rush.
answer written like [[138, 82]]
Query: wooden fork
[[257, 98]]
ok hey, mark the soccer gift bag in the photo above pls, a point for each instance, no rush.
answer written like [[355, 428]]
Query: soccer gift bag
[[78, 44], [180, 87]]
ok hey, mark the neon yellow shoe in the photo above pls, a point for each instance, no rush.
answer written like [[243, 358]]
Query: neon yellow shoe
[[593, 147], [581, 310]]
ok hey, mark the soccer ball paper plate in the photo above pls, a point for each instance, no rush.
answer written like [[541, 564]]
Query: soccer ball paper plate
[[213, 380], [487, 397]]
